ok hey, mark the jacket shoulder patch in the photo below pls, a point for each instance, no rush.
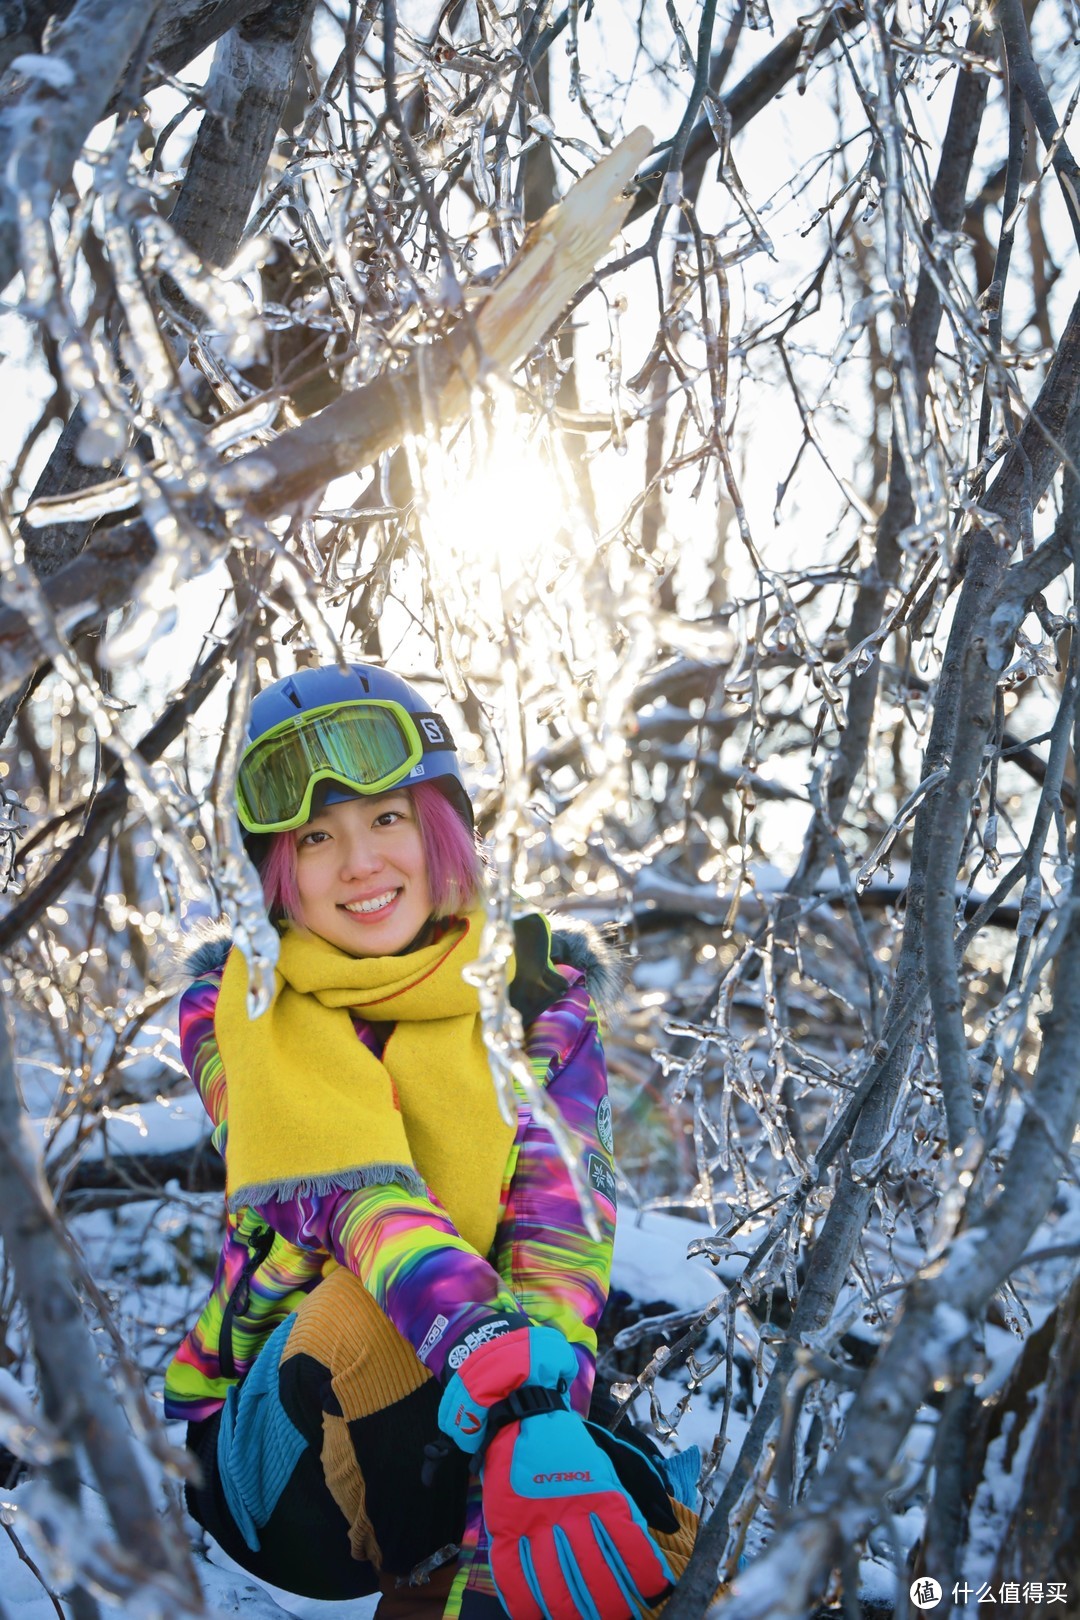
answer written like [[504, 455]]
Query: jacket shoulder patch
[[602, 1178]]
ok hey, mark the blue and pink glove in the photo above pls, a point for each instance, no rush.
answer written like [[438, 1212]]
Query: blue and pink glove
[[568, 1542]]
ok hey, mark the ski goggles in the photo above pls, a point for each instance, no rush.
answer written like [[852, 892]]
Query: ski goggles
[[367, 744]]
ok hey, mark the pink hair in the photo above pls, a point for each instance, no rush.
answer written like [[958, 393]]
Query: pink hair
[[278, 874], [453, 859], [450, 853]]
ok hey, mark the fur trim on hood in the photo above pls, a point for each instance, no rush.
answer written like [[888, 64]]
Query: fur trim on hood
[[574, 942], [204, 948], [592, 951]]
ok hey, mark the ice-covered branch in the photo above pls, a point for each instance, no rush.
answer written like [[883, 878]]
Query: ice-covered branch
[[947, 212], [294, 468], [979, 647], [56, 100], [555, 258], [101, 579], [185, 28], [935, 1337], [107, 807], [80, 1402], [761, 85], [1024, 72], [253, 72]]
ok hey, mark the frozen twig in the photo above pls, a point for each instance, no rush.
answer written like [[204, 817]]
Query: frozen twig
[[554, 259], [934, 1337], [1024, 72], [61, 96]]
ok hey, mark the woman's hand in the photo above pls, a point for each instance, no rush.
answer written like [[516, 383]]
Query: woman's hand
[[567, 1542]]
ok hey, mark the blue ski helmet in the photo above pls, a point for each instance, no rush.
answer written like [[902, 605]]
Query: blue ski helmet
[[328, 688]]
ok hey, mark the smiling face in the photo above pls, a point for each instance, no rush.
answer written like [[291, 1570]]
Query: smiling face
[[361, 875]]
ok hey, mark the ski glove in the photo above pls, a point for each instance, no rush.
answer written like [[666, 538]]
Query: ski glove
[[567, 1541], [490, 1363]]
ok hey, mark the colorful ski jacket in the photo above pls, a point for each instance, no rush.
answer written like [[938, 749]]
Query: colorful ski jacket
[[403, 1247]]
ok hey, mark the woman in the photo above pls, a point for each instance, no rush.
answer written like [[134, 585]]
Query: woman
[[392, 1373]]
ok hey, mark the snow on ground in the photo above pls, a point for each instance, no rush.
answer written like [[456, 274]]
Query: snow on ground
[[650, 1261], [228, 1590]]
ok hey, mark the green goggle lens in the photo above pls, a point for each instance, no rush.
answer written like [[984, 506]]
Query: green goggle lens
[[368, 746]]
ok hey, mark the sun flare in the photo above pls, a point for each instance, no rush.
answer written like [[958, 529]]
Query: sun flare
[[498, 493]]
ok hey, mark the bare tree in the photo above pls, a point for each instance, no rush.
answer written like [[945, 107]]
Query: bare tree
[[725, 477]]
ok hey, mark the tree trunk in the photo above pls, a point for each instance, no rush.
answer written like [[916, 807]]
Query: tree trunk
[[1042, 1541]]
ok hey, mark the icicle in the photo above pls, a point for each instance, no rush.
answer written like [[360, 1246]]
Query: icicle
[[236, 878]]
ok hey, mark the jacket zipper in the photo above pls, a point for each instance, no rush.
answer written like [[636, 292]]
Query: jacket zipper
[[238, 1301]]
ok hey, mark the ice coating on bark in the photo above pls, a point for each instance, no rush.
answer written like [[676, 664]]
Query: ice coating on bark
[[236, 879]]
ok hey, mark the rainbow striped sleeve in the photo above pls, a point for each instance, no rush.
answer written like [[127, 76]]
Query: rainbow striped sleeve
[[409, 1256], [199, 1050], [543, 1251]]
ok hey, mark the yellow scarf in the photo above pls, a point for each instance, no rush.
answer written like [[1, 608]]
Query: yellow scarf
[[311, 1109]]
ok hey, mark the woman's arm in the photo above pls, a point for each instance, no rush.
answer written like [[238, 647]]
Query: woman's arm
[[406, 1251], [558, 1273], [199, 1049]]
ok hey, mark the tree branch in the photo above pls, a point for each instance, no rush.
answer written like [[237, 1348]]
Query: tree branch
[[25, 31], [354, 431], [557, 255], [186, 28], [848, 1210], [351, 433], [108, 807], [980, 643], [745, 100], [1057, 399], [49, 549], [249, 84], [934, 1338], [69, 1361], [100, 580], [48, 116], [248, 87], [947, 204], [1024, 72], [127, 1177]]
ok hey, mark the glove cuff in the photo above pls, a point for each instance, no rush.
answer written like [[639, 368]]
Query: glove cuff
[[476, 1341], [492, 1371]]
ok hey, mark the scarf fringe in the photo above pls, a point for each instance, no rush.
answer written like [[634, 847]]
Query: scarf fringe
[[366, 1175]]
